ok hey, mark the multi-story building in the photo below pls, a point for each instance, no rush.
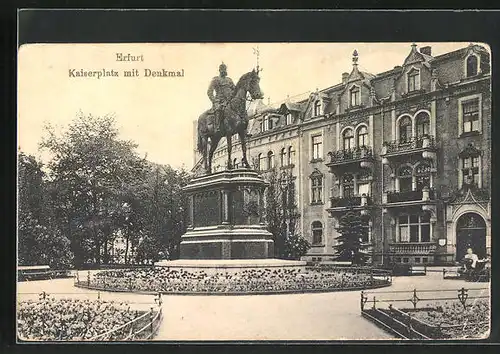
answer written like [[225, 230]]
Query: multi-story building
[[409, 149]]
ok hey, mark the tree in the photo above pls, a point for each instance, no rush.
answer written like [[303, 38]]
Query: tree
[[352, 230], [39, 239], [92, 175], [282, 215]]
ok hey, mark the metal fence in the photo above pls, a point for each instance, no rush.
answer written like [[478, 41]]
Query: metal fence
[[379, 307], [144, 326]]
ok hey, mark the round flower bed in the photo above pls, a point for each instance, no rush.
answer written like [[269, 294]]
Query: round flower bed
[[249, 281], [71, 319]]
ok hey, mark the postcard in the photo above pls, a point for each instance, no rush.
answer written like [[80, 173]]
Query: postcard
[[253, 191]]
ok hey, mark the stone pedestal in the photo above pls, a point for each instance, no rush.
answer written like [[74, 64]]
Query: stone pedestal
[[226, 217]]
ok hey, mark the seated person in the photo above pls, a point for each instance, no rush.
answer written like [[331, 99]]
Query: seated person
[[471, 259]]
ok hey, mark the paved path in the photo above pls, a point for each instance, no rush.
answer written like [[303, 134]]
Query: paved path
[[327, 316]]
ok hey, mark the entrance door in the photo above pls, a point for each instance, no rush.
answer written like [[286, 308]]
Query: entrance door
[[471, 232]]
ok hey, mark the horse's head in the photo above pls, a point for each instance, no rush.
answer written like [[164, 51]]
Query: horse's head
[[250, 82]]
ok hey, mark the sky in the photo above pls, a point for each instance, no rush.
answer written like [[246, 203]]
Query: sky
[[159, 113]]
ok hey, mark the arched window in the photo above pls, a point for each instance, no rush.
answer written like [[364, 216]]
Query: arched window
[[348, 137], [423, 124], [317, 108], [235, 163], [283, 157], [317, 232], [270, 160], [260, 162], [405, 129], [291, 155], [405, 178], [423, 175], [348, 185], [472, 64], [316, 187], [363, 136], [355, 99], [413, 80]]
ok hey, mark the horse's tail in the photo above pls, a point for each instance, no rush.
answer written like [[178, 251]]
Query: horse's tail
[[200, 143], [200, 146]]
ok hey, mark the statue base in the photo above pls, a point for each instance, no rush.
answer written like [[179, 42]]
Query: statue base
[[226, 217]]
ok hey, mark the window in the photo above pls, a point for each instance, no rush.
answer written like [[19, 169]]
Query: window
[[235, 163], [470, 115], [470, 170], [406, 259], [355, 96], [348, 185], [317, 188], [423, 175], [348, 137], [417, 259], [317, 147], [288, 118], [423, 124], [261, 162], [405, 129], [472, 65], [414, 228], [317, 232], [424, 259], [413, 80], [291, 155], [363, 136], [317, 108], [363, 188], [366, 237], [283, 157], [405, 178], [270, 160]]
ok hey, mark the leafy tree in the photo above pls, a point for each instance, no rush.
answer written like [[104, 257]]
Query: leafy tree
[[352, 230], [93, 174], [282, 215], [39, 239]]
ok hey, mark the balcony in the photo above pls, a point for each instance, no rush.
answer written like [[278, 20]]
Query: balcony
[[423, 144], [407, 197], [362, 155], [412, 248], [346, 203]]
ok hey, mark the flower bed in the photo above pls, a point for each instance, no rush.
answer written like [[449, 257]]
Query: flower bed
[[165, 280], [72, 319], [448, 320]]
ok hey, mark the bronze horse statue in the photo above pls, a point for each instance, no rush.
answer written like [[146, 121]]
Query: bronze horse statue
[[234, 120]]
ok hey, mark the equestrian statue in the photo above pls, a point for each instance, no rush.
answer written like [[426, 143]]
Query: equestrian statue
[[228, 115]]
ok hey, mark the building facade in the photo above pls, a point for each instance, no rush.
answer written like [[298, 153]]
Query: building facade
[[409, 149]]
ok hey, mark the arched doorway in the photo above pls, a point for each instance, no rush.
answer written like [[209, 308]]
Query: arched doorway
[[471, 232]]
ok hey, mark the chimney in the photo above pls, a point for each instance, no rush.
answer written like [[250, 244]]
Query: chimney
[[426, 50], [345, 76]]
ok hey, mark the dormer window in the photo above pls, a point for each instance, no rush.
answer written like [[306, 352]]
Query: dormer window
[[317, 108], [413, 80], [288, 118], [267, 124], [355, 96], [472, 65]]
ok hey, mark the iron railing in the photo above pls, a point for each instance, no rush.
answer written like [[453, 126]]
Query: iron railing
[[348, 155], [406, 196], [407, 145], [381, 310]]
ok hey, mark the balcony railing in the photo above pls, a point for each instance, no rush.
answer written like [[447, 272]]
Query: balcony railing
[[349, 155], [412, 248], [345, 202], [415, 143], [407, 196]]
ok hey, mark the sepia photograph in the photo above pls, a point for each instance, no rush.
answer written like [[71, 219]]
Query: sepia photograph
[[253, 192]]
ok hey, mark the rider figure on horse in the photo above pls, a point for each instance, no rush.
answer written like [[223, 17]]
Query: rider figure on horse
[[224, 88]]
